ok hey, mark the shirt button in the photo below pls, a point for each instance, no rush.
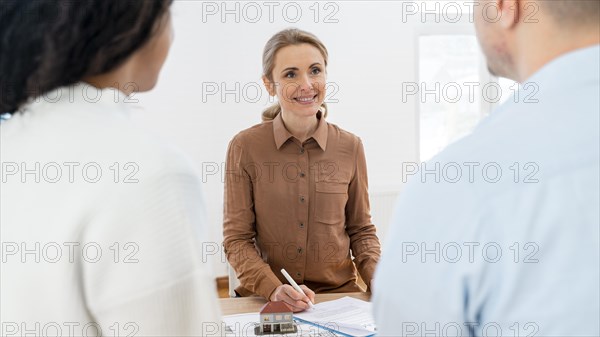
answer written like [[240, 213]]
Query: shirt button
[[299, 250], [301, 225], [298, 274], [301, 151], [302, 174], [301, 198]]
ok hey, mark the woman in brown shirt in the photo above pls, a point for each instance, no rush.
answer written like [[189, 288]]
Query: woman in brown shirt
[[296, 187]]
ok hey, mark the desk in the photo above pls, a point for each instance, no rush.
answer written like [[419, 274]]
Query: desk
[[240, 305]]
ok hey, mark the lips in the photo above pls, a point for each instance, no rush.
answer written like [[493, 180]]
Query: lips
[[306, 99]]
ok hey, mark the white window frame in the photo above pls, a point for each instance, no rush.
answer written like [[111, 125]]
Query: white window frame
[[429, 28]]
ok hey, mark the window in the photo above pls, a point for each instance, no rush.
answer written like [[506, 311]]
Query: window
[[286, 327], [450, 90], [455, 89]]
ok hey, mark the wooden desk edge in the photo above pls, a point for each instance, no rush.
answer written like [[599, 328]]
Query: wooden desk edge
[[240, 305]]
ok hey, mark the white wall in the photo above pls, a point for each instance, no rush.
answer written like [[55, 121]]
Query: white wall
[[371, 54]]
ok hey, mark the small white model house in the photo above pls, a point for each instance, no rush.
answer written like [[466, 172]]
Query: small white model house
[[276, 318]]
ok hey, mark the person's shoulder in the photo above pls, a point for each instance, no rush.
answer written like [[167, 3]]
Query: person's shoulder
[[344, 137], [257, 132], [110, 134], [158, 155]]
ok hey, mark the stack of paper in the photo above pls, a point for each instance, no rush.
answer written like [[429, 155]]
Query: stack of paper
[[347, 315]]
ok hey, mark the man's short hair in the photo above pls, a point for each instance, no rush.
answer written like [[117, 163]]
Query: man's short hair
[[572, 12]]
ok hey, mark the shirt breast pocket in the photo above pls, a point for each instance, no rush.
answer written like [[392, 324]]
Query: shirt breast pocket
[[330, 202]]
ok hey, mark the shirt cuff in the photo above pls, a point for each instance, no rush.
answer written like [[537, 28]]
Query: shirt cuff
[[268, 284]]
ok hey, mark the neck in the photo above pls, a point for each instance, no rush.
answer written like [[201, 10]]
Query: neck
[[301, 127], [119, 79], [536, 50]]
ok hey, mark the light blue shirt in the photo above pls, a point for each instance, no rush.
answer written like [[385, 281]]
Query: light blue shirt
[[515, 254]]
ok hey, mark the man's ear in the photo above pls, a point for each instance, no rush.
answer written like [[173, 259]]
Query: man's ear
[[510, 12], [270, 86]]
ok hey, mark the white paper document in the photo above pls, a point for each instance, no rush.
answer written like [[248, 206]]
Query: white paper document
[[347, 315]]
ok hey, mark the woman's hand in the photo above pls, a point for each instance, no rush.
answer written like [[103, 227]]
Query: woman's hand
[[293, 298]]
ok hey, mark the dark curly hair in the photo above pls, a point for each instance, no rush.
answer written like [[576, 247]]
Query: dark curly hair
[[47, 44]]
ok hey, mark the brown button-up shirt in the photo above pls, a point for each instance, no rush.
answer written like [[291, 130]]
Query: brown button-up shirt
[[299, 206]]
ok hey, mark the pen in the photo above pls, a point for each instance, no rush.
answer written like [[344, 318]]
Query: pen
[[295, 286]]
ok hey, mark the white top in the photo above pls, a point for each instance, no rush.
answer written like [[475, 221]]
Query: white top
[[515, 254], [101, 224]]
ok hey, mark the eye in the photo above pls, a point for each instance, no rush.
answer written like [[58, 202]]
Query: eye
[[316, 71], [290, 74]]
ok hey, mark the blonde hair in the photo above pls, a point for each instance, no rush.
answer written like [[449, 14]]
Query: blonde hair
[[282, 39]]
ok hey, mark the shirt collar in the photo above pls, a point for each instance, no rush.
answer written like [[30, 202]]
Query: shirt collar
[[81, 94], [570, 69], [282, 134], [576, 66]]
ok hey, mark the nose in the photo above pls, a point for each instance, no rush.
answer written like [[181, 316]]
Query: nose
[[305, 84]]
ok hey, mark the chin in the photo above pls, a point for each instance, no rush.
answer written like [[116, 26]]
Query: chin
[[147, 85], [501, 73], [308, 111], [302, 111], [492, 71]]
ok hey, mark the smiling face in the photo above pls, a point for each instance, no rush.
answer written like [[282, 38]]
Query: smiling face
[[298, 79]]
